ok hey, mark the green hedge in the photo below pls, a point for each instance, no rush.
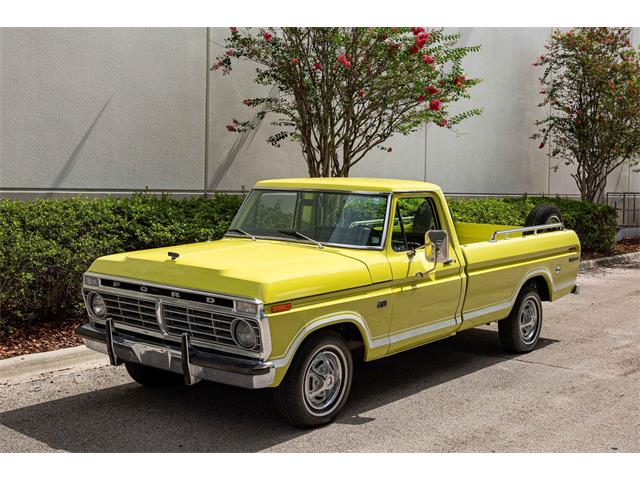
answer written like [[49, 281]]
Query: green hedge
[[595, 224], [46, 245]]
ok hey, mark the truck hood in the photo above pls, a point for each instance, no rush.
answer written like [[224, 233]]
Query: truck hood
[[270, 271]]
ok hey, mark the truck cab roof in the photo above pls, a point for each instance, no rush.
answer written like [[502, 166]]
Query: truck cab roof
[[349, 184]]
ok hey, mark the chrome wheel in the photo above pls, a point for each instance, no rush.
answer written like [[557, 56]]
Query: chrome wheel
[[323, 381], [529, 320], [553, 219]]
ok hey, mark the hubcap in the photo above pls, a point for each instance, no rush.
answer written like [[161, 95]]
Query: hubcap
[[323, 380], [529, 319]]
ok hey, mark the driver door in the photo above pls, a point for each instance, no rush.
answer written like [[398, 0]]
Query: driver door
[[423, 306]]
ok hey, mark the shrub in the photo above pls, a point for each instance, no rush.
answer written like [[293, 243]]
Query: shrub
[[490, 210], [46, 245], [594, 223]]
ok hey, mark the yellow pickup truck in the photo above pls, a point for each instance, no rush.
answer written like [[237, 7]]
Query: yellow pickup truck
[[316, 274]]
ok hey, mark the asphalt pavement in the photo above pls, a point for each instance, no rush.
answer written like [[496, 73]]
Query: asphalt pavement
[[578, 391]]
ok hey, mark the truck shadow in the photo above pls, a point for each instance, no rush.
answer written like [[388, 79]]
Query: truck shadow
[[218, 418]]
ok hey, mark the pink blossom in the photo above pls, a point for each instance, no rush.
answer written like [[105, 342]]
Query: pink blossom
[[343, 60], [421, 39], [231, 127], [267, 36], [428, 59], [434, 105]]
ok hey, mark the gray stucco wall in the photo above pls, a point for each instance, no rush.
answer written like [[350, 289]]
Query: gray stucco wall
[[102, 108], [125, 109]]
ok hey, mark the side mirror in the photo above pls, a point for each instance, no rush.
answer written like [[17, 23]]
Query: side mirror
[[438, 240]]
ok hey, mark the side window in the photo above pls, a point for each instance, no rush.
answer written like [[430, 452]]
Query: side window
[[414, 217]]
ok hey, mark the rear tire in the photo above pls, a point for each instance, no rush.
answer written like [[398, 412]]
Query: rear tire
[[153, 377], [520, 331], [318, 382]]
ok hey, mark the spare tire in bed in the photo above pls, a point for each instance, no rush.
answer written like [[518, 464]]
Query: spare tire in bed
[[543, 215]]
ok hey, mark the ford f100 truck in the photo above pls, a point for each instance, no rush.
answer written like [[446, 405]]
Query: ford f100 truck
[[316, 274]]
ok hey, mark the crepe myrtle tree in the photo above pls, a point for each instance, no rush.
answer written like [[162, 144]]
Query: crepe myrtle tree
[[345, 91], [591, 89]]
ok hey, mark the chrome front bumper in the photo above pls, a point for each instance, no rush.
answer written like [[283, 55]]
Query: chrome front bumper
[[193, 364]]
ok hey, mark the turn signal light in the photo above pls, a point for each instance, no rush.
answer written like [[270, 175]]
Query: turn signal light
[[283, 307]]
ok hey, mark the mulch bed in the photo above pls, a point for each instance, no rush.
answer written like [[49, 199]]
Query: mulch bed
[[628, 245], [38, 337], [56, 334]]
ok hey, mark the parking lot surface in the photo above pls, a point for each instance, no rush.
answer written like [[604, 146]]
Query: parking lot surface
[[578, 391]]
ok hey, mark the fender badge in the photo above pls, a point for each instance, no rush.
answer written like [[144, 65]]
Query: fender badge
[[173, 255]]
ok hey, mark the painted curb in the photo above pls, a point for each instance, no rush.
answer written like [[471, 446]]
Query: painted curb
[[31, 366], [609, 261]]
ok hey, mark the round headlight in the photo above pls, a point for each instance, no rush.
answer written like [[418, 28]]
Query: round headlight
[[244, 334], [96, 304]]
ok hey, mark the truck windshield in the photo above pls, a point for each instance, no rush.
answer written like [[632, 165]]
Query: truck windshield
[[333, 218]]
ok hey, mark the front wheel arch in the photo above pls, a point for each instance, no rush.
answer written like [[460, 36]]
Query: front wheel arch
[[352, 331]]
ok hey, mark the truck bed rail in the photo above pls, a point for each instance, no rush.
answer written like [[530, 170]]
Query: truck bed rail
[[534, 229]]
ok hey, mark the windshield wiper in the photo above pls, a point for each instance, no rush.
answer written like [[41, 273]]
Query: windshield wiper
[[246, 234], [293, 233]]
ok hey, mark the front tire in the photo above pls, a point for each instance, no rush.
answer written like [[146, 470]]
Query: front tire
[[318, 382], [520, 331], [153, 377]]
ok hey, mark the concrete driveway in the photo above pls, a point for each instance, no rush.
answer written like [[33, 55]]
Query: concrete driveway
[[578, 391]]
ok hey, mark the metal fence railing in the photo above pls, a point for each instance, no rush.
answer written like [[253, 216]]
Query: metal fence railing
[[627, 204]]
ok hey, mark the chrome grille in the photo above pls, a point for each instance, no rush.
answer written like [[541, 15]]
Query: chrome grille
[[203, 325], [132, 311]]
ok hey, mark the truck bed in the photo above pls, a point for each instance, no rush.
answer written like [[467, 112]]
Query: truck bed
[[496, 270], [479, 232]]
